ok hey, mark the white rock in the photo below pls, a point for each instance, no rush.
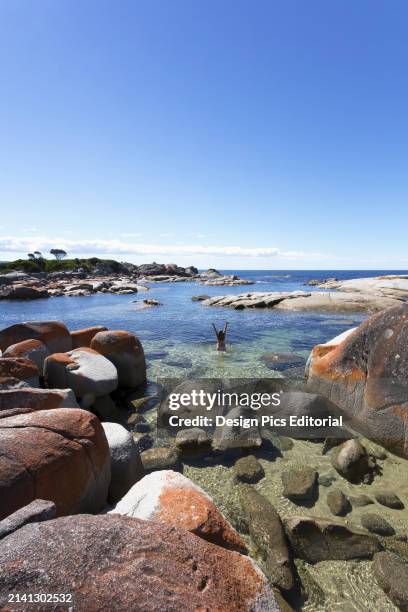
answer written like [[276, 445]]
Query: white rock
[[126, 465]]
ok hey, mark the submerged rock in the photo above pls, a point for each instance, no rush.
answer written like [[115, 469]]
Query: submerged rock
[[377, 524], [248, 469], [129, 561], [360, 501], [326, 480], [299, 484], [285, 443], [351, 461], [192, 440], [142, 440], [338, 503], [316, 539], [165, 458], [389, 499], [171, 498], [266, 531], [179, 362], [283, 361], [391, 573], [233, 439], [200, 298]]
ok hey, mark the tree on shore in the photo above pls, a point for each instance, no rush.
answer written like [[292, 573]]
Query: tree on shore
[[38, 259], [58, 253], [35, 256]]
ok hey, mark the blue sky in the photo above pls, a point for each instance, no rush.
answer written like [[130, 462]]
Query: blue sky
[[256, 134]]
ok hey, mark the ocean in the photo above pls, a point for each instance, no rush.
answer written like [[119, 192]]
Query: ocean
[[178, 337]]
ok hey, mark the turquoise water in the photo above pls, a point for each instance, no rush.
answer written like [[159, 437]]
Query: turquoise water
[[178, 337], [179, 342]]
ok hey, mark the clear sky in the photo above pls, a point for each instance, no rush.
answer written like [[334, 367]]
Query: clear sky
[[227, 133]]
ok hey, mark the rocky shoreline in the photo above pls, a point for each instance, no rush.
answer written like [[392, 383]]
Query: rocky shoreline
[[131, 279], [357, 295], [234, 521]]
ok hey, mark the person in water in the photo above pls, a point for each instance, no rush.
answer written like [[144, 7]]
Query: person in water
[[221, 334]]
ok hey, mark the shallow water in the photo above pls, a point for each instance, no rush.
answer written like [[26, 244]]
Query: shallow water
[[347, 586], [181, 331], [179, 343]]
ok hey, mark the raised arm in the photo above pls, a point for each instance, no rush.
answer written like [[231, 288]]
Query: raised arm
[[225, 328]]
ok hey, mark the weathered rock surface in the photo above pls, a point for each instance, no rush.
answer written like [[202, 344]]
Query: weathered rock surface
[[126, 353], [85, 371], [21, 292], [248, 469], [161, 458], [351, 461], [83, 337], [335, 301], [171, 498], [254, 299], [121, 563], [366, 375], [390, 285], [35, 512], [391, 573], [10, 382], [299, 484], [126, 465], [13, 277], [53, 334], [317, 539], [36, 399], [266, 530], [35, 350], [59, 455], [19, 369]]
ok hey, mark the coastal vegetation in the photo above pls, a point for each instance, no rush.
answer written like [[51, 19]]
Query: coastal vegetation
[[35, 263]]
